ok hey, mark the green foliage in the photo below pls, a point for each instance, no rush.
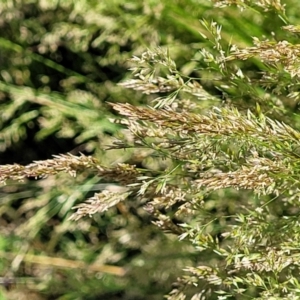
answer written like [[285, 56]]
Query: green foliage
[[212, 160]]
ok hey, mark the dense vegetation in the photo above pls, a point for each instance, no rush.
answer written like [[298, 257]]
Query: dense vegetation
[[149, 148]]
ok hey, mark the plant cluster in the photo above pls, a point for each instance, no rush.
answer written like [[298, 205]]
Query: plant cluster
[[213, 161]]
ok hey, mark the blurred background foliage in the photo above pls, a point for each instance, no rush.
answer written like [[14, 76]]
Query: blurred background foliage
[[60, 63]]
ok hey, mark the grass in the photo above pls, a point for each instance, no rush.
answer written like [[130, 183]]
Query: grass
[[213, 164]]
